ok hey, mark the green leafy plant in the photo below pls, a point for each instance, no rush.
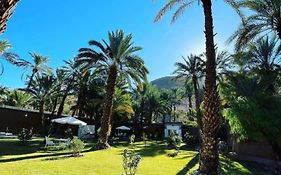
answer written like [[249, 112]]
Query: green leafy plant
[[191, 140], [76, 145], [68, 133], [24, 136], [174, 141], [131, 161], [223, 148], [132, 140], [144, 138]]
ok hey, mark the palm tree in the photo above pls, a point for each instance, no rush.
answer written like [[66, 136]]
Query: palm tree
[[265, 18], [6, 10], [122, 106], [209, 159], [9, 56], [39, 66], [192, 69], [42, 88], [71, 75], [117, 58], [17, 98], [264, 59]]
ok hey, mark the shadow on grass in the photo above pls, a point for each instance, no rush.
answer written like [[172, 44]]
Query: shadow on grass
[[152, 150], [189, 165], [13, 147], [15, 150]]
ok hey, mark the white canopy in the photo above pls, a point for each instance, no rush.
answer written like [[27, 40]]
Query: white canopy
[[69, 120], [123, 128]]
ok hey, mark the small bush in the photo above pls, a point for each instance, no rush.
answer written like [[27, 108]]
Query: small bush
[[223, 148], [131, 161], [174, 141], [191, 140], [76, 145], [144, 138], [24, 136], [68, 133], [132, 140]]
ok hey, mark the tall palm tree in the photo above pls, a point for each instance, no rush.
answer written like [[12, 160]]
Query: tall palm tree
[[6, 10], [38, 66], [209, 159], [265, 17], [116, 57], [192, 69]]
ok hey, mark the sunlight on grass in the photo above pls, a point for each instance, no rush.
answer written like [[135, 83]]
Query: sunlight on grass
[[34, 160]]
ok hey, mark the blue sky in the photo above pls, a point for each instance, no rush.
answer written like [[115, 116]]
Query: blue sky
[[57, 29]]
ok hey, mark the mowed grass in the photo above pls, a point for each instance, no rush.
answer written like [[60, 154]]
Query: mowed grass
[[35, 160]]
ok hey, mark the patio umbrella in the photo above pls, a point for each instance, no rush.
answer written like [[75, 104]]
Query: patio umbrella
[[125, 128], [69, 120]]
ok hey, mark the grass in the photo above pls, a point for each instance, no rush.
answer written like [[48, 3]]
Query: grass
[[35, 160]]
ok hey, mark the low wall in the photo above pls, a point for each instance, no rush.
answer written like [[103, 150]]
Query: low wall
[[15, 119], [255, 149]]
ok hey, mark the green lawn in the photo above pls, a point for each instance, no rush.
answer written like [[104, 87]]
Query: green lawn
[[34, 160]]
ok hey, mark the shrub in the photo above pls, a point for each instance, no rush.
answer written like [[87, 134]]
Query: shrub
[[223, 148], [131, 161], [174, 141], [76, 145], [68, 133], [144, 138], [132, 140], [191, 140], [24, 136]]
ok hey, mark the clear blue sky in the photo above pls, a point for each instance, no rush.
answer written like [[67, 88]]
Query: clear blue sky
[[59, 28]]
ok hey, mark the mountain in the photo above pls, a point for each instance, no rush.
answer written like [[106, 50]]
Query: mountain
[[168, 82]]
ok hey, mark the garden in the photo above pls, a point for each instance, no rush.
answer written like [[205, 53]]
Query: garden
[[81, 94], [35, 159]]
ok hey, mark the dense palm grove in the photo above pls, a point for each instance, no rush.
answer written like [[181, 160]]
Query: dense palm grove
[[107, 82]]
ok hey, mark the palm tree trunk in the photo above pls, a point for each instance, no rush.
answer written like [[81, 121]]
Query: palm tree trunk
[[30, 80], [61, 107], [41, 113], [54, 107], [197, 102], [189, 104], [107, 112], [209, 158]]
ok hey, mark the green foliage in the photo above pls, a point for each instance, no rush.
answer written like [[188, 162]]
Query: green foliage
[[144, 138], [24, 136], [17, 98], [223, 148], [131, 161], [174, 141], [76, 146], [253, 113], [263, 20], [191, 140], [132, 139], [68, 133]]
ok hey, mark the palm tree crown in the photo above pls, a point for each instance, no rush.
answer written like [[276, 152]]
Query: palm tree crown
[[265, 17]]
